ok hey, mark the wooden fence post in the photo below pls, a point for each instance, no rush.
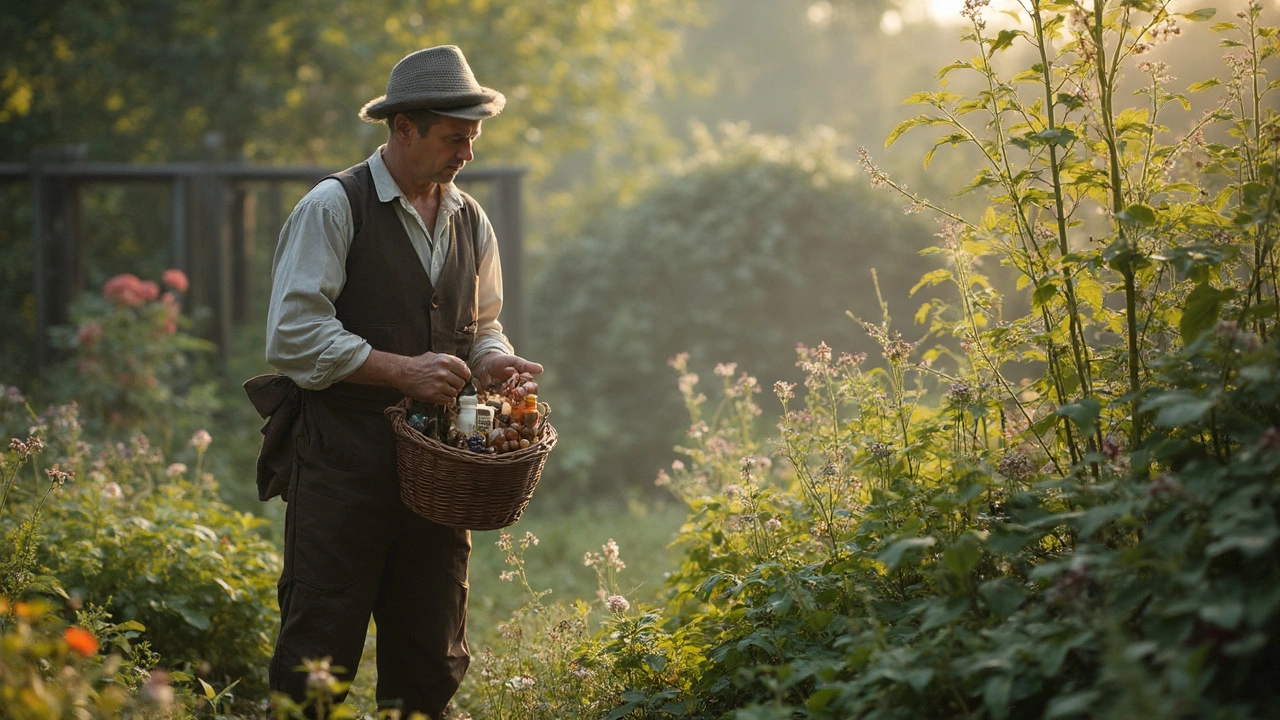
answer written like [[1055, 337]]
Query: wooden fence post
[[210, 246], [58, 267]]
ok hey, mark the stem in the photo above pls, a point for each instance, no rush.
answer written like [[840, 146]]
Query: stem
[[1078, 344], [1105, 89]]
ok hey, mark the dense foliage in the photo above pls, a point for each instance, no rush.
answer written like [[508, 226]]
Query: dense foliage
[[122, 546], [1068, 513], [752, 244], [1069, 510]]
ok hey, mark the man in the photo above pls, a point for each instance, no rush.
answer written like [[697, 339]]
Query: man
[[387, 283]]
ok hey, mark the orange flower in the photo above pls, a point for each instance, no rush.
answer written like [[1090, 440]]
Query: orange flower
[[81, 641]]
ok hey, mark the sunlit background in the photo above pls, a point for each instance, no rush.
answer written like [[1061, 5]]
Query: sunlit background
[[689, 182]]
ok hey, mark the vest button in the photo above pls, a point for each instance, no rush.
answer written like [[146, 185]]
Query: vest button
[[435, 304]]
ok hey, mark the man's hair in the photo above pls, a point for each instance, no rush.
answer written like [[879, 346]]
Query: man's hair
[[422, 119]]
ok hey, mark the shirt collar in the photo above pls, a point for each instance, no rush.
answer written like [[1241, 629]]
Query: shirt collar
[[388, 190]]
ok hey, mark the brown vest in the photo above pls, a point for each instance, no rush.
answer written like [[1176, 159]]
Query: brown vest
[[388, 298]]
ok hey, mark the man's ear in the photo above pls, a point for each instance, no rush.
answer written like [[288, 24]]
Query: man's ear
[[401, 124]]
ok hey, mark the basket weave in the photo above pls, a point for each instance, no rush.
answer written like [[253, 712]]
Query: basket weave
[[460, 488]]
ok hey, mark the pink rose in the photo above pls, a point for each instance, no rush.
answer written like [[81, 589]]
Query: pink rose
[[176, 279], [124, 289], [148, 290]]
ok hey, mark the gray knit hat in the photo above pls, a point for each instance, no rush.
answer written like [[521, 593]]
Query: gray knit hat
[[436, 79]]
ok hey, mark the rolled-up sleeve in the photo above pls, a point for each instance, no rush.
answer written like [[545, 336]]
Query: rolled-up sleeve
[[489, 335], [305, 340]]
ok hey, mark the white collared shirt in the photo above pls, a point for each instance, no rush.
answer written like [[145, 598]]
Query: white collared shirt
[[305, 340]]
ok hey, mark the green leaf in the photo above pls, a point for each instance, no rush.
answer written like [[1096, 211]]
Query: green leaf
[[655, 662], [962, 556], [1057, 136], [1137, 214], [822, 698], [1002, 595], [995, 695], [1225, 614], [1044, 293], [1200, 15], [1204, 85], [194, 619], [622, 711], [1177, 408], [208, 689], [893, 554], [1005, 39], [1200, 311], [1083, 413], [1070, 705]]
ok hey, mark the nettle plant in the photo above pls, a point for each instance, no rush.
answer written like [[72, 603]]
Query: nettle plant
[[1189, 231], [1071, 512]]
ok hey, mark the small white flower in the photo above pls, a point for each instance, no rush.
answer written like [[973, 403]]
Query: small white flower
[[175, 470], [617, 604], [112, 491], [520, 683], [200, 440]]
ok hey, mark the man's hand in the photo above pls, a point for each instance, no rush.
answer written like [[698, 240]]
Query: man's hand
[[434, 377], [496, 367]]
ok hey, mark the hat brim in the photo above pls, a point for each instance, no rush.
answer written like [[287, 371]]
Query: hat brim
[[379, 109]]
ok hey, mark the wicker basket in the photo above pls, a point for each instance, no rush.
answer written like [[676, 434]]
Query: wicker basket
[[460, 488]]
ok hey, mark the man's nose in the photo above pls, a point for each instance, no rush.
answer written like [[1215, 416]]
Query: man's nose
[[465, 153]]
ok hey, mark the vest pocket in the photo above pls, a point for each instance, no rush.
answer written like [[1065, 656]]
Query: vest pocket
[[464, 339]]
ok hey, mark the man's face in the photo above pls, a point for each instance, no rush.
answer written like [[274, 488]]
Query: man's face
[[447, 147]]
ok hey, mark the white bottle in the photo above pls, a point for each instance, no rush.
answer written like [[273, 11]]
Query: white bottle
[[466, 422]]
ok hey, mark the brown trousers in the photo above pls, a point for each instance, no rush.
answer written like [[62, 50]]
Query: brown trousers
[[352, 550]]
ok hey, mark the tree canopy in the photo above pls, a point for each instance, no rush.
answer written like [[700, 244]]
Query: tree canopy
[[147, 79]]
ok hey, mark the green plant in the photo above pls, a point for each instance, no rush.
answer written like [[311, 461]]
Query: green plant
[[1067, 513], [134, 367], [148, 544], [50, 670]]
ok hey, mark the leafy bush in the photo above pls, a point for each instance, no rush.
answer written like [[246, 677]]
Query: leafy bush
[[934, 537], [145, 540], [753, 243], [133, 366], [51, 670]]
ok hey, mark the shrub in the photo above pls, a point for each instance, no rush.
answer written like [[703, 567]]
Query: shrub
[[144, 539], [133, 368], [51, 670], [746, 248], [930, 537]]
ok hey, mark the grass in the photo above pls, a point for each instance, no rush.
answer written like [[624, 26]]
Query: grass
[[566, 530]]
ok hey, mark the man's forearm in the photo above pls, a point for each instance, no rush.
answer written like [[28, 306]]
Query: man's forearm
[[430, 377], [381, 368]]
